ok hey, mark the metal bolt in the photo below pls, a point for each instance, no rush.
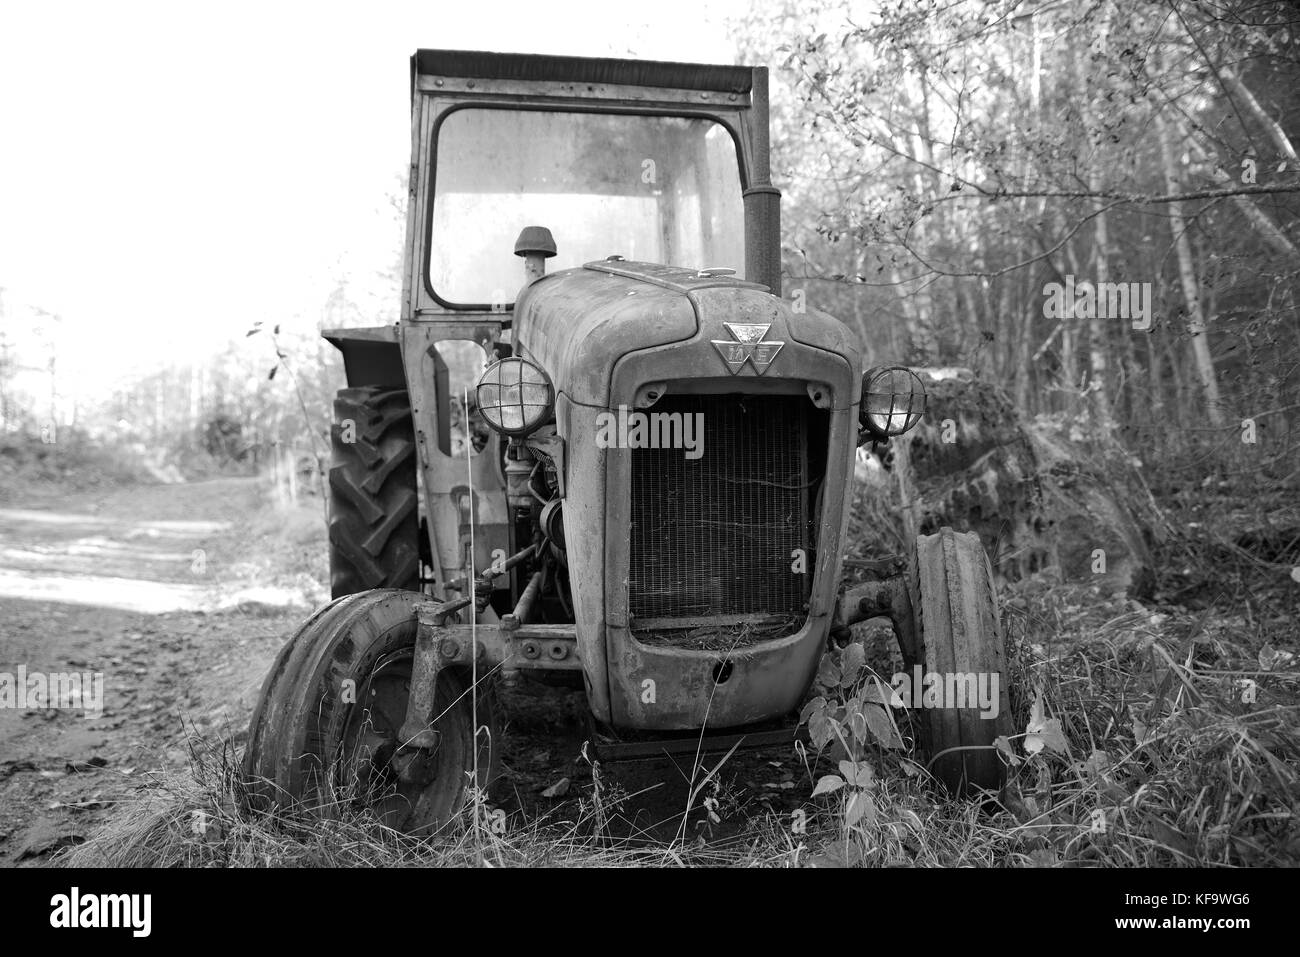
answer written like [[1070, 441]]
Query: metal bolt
[[448, 648], [531, 650], [559, 651]]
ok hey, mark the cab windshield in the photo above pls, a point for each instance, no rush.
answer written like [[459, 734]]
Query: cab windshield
[[663, 189]]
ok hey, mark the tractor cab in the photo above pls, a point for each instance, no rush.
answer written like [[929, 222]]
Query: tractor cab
[[656, 162]]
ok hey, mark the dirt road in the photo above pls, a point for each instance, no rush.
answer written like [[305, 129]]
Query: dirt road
[[160, 590]]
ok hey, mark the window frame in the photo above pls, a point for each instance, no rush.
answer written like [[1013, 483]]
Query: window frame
[[430, 186]]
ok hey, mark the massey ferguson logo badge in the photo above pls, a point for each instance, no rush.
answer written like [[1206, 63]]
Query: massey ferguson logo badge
[[748, 347]]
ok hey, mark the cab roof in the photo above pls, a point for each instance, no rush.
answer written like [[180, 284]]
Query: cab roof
[[575, 69]]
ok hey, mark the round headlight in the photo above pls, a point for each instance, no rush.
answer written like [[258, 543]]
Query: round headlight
[[514, 396], [893, 401]]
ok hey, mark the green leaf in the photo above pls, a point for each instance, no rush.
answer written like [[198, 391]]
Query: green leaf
[[881, 727], [1097, 765], [829, 784], [812, 707], [1049, 736], [828, 673], [861, 807], [1044, 857], [880, 693], [857, 724], [1054, 737], [851, 663], [819, 729], [1043, 731], [858, 773]]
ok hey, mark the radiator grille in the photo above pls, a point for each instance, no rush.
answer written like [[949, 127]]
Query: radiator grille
[[713, 536]]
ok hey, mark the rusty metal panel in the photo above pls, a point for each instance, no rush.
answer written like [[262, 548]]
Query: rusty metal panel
[[577, 322], [584, 532], [371, 356], [530, 67], [668, 688], [445, 480], [610, 750], [562, 92], [527, 648], [677, 278], [671, 689]]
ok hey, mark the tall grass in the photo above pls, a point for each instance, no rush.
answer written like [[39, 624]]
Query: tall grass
[[1180, 746]]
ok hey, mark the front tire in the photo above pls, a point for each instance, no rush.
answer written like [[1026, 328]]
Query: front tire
[[319, 743], [958, 631]]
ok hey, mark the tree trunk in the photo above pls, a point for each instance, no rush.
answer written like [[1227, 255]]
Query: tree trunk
[[1196, 324], [1271, 126], [1098, 386], [1247, 206]]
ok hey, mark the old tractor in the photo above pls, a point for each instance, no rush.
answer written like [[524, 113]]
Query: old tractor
[[606, 469]]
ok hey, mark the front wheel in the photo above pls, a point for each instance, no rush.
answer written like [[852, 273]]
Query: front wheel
[[960, 647], [325, 733]]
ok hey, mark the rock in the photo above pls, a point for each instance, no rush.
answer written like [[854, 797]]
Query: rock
[[44, 837], [13, 767], [90, 764], [557, 790], [79, 743]]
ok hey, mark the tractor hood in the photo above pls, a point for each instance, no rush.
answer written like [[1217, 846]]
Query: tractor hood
[[578, 323]]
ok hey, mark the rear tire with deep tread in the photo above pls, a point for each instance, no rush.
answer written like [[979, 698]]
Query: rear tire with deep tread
[[374, 513]]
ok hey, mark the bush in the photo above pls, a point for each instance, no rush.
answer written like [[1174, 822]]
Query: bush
[[75, 460]]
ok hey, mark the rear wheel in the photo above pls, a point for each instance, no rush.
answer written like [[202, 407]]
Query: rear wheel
[[326, 730], [958, 633], [374, 521]]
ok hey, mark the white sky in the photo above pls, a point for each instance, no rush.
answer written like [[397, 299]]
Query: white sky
[[171, 172]]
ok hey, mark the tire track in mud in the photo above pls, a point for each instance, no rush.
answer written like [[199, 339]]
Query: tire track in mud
[[152, 587]]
